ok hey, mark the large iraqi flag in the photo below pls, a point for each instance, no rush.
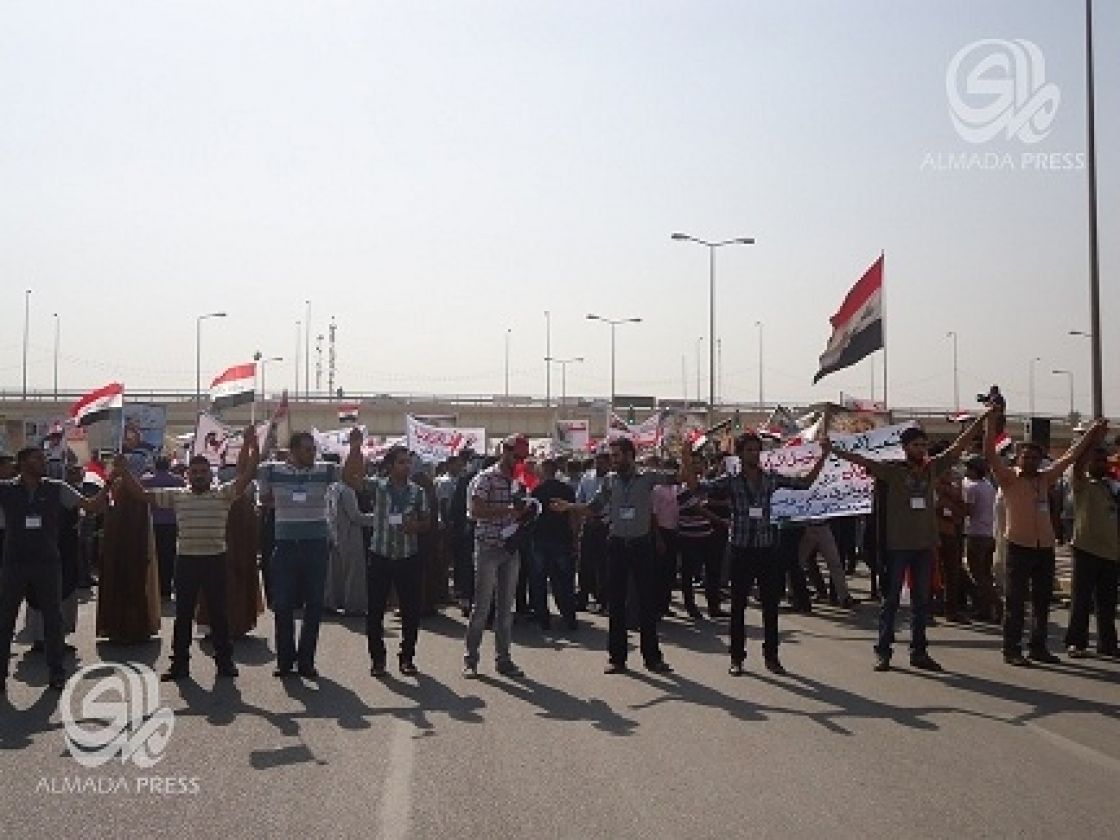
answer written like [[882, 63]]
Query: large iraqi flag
[[857, 326], [235, 386], [97, 405]]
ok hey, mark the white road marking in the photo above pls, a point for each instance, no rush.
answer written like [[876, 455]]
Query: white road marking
[[396, 795]]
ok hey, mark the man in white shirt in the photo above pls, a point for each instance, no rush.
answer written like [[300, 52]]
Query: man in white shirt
[[980, 542]]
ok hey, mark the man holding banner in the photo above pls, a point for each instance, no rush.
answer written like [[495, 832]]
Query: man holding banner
[[911, 533], [753, 538]]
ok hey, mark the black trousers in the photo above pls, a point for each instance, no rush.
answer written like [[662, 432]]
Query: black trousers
[[748, 566], [667, 560], [208, 574], [625, 558], [45, 579], [404, 575], [700, 553], [1094, 582], [1028, 570], [593, 562], [789, 559], [165, 551]]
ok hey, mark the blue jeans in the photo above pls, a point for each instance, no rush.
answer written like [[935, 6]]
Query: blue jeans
[[552, 561], [495, 576], [299, 573], [920, 563]]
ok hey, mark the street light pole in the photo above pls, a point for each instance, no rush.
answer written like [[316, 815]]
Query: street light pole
[[1068, 373], [1094, 250], [299, 336], [57, 334], [1033, 361], [761, 401], [198, 356], [700, 369], [563, 374], [26, 336], [956, 377], [508, 331], [613, 322], [711, 246], [547, 356]]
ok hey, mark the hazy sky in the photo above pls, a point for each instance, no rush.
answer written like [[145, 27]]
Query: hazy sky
[[433, 173]]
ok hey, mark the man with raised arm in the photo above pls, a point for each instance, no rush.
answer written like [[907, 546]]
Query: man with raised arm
[[1029, 531], [911, 533], [201, 510], [753, 536]]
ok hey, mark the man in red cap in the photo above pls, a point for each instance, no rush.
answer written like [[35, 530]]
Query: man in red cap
[[497, 504]]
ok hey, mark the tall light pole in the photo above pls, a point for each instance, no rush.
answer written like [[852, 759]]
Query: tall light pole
[[508, 332], [1094, 251], [711, 246], [700, 370], [299, 338], [614, 322], [547, 356], [1033, 362], [956, 374], [307, 353], [563, 374], [26, 336], [1068, 373], [198, 356], [761, 401], [57, 336]]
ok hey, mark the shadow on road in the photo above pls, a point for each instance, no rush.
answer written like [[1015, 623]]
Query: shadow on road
[[555, 704]]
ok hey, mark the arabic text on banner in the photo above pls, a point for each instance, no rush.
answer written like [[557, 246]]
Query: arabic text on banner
[[843, 489], [434, 444]]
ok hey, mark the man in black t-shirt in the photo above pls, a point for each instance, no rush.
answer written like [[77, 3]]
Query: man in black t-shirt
[[552, 550]]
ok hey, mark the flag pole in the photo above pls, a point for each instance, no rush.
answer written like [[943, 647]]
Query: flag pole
[[883, 327]]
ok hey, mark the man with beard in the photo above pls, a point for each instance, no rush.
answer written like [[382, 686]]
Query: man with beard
[[33, 506], [911, 533]]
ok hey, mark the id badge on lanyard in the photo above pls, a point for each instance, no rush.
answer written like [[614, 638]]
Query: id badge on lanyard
[[33, 522]]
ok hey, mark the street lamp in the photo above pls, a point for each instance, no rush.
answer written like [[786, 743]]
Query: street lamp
[[711, 246], [761, 401], [614, 322], [563, 373], [1068, 373], [699, 367], [57, 333], [547, 356], [509, 331], [198, 356], [26, 335], [1094, 249], [956, 376], [1033, 361], [307, 353], [299, 337]]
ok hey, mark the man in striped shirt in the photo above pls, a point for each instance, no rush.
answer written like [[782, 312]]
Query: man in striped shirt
[[201, 510], [297, 490], [400, 513], [753, 537]]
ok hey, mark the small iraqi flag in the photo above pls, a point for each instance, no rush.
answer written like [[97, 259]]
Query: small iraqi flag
[[97, 405], [348, 412], [857, 327], [236, 386]]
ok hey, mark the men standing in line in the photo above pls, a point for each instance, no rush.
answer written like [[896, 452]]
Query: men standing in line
[[32, 506], [201, 510], [1096, 552], [911, 534], [497, 507], [626, 495], [753, 537], [1029, 532], [400, 513], [297, 489]]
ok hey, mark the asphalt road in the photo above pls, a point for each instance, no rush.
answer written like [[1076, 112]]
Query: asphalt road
[[834, 749]]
